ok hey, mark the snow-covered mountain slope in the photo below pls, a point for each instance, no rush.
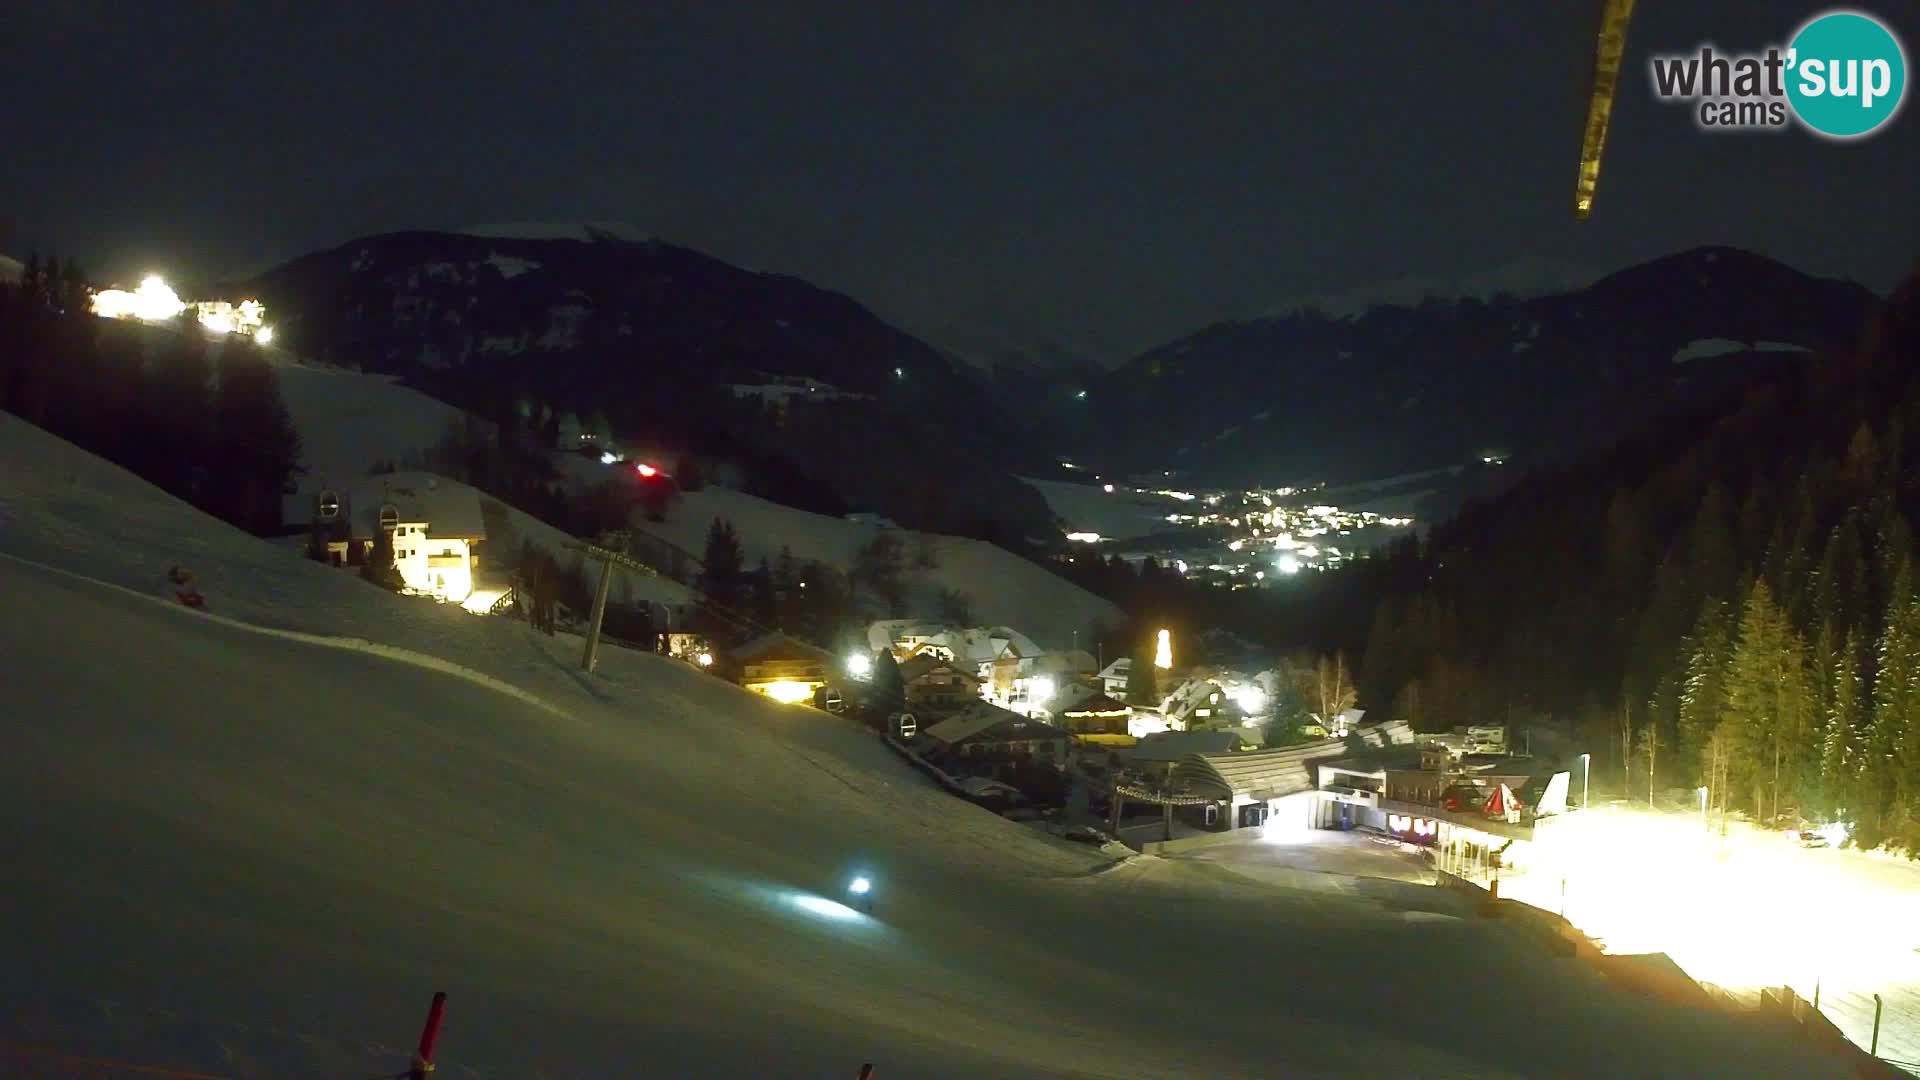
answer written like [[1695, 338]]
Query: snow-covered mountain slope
[[11, 270], [350, 420], [1120, 514], [1002, 588], [559, 230], [246, 852], [1519, 279]]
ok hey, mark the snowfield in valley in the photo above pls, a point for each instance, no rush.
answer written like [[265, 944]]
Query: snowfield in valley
[[253, 853]]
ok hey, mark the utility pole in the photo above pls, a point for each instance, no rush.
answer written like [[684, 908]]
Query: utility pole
[[1166, 804], [610, 549]]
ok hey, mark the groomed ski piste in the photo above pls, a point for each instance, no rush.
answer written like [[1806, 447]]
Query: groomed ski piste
[[252, 841]]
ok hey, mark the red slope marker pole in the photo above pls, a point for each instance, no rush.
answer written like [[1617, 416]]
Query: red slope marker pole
[[429, 1037]]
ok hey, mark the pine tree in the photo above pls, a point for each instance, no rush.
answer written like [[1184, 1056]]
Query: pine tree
[[889, 694], [379, 566], [720, 574], [1143, 678], [1765, 699], [880, 565], [786, 587], [765, 606], [955, 608], [1840, 735], [259, 450], [1888, 772], [182, 404]]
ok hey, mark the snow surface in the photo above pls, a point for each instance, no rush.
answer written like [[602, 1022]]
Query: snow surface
[[258, 854], [1743, 925], [11, 270], [634, 874], [1522, 278], [1003, 589], [511, 267], [349, 420], [1708, 348], [1121, 514], [557, 230]]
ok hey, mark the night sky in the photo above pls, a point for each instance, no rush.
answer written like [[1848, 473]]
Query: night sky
[[1110, 175]]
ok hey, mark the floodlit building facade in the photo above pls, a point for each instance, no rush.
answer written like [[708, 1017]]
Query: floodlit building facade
[[435, 525], [785, 669]]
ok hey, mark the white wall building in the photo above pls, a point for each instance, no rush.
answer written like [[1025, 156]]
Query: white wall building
[[435, 526]]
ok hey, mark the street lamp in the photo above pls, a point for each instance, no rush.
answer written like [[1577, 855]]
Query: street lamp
[[1586, 770]]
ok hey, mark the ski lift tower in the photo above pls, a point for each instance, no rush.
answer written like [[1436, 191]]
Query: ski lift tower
[[611, 550]]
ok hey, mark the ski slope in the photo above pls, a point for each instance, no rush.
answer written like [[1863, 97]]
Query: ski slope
[[350, 420], [1002, 588], [1121, 514], [252, 842]]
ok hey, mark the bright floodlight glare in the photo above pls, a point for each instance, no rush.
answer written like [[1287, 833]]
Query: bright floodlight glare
[[1040, 689], [821, 906], [264, 335], [788, 691], [1108, 488], [859, 665], [606, 457], [860, 886], [645, 469], [1251, 699], [1289, 565], [705, 659]]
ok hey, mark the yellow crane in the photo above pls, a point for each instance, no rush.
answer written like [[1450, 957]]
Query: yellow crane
[[1606, 78]]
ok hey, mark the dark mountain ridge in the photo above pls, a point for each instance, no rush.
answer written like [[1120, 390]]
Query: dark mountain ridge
[[656, 336], [1305, 397]]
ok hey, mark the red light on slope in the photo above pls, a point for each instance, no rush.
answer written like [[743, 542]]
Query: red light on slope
[[647, 470]]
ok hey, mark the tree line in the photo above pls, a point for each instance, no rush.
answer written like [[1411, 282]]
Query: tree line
[[201, 418], [1728, 601]]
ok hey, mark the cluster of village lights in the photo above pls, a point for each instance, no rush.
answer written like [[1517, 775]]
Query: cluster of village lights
[[155, 301]]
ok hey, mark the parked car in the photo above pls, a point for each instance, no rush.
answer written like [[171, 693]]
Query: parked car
[[1810, 839]]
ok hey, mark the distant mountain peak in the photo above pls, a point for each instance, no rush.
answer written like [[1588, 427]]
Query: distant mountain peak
[[559, 230], [1521, 278]]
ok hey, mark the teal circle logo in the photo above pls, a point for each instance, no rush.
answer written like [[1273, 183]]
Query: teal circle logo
[[1847, 74]]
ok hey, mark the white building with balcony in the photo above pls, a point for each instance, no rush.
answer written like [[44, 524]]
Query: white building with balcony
[[435, 524]]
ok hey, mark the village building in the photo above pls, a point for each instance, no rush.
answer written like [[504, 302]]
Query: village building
[[933, 684], [1098, 718], [1243, 789], [1482, 818], [783, 668], [1201, 701], [1113, 678], [984, 730], [435, 524]]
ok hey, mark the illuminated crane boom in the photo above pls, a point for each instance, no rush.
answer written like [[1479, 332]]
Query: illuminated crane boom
[[1606, 77]]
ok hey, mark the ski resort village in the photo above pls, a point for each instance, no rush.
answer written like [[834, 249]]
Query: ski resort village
[[960, 541]]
